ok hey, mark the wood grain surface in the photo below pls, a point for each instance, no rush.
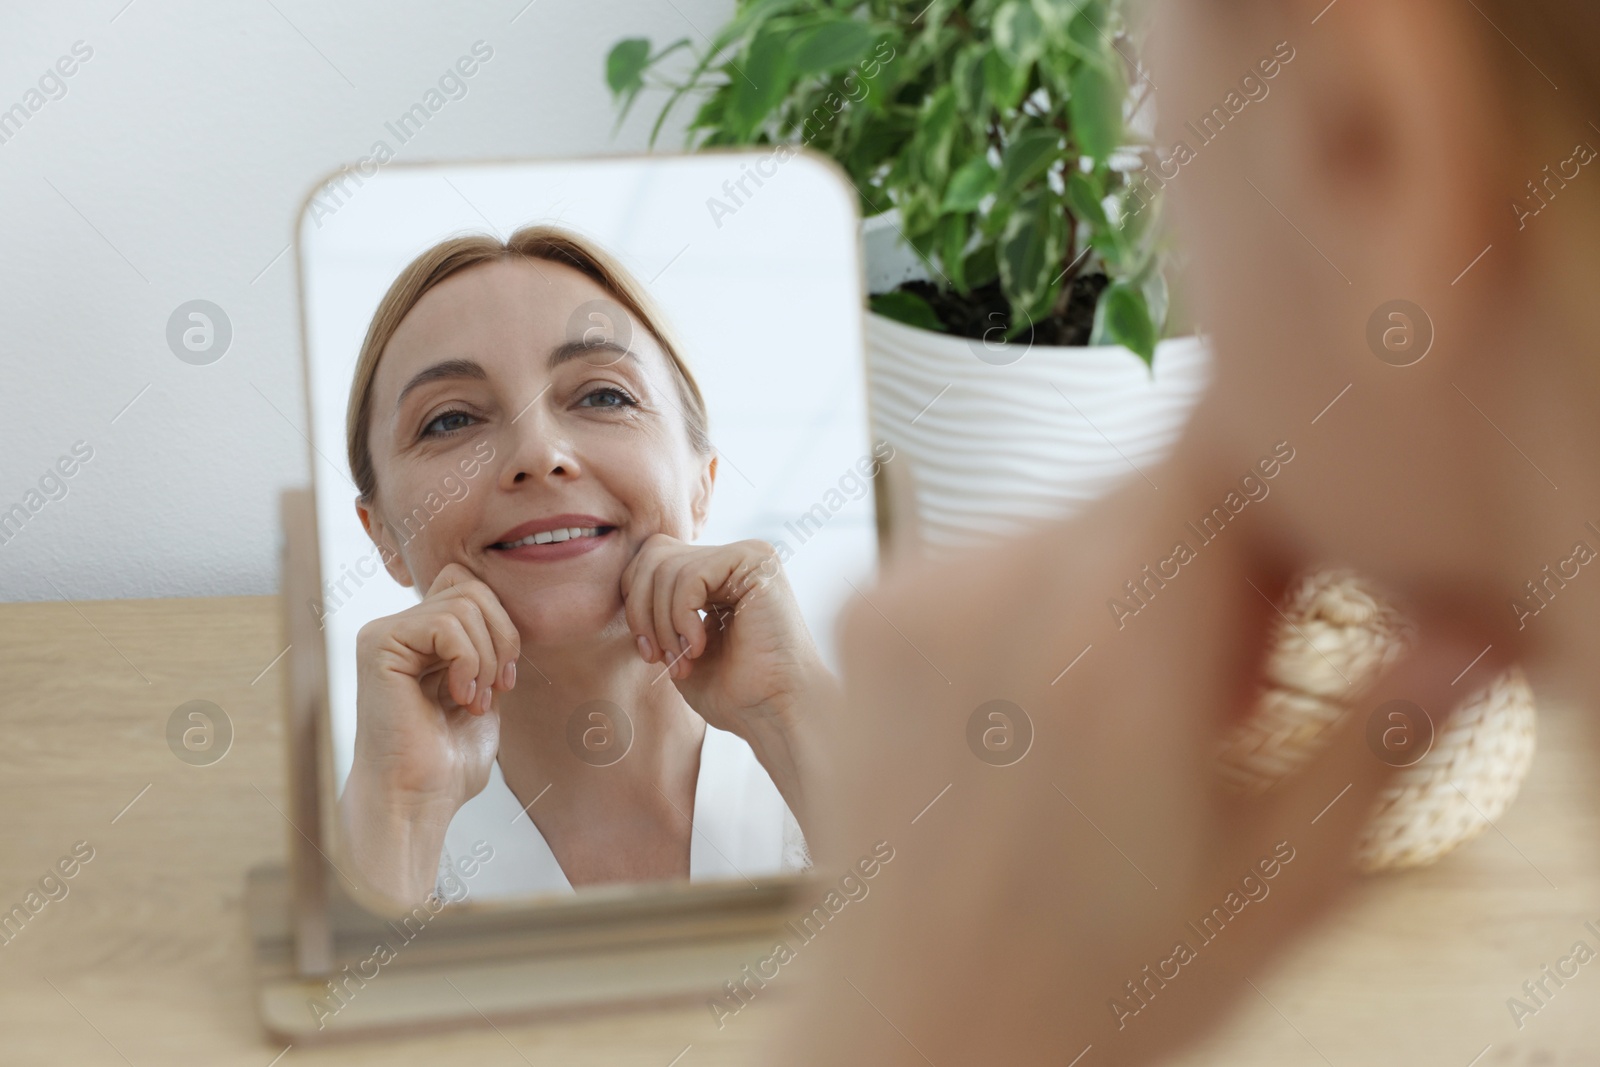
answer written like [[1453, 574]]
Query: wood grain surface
[[145, 960]]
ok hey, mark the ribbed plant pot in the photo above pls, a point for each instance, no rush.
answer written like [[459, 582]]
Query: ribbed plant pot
[[999, 435]]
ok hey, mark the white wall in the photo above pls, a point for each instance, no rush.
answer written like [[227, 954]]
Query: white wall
[[171, 170]]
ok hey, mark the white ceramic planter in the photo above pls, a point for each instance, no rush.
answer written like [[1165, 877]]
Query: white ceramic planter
[[997, 438], [994, 446]]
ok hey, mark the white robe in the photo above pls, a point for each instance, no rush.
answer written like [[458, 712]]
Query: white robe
[[742, 828]]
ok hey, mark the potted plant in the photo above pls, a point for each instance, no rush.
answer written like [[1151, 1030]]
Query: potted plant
[[1013, 258]]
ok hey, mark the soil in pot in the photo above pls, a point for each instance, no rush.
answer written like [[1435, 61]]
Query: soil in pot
[[980, 311]]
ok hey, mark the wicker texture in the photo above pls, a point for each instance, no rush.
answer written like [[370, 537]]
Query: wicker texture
[[1334, 640], [1468, 780]]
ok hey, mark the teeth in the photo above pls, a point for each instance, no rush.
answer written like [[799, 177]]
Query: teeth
[[552, 536]]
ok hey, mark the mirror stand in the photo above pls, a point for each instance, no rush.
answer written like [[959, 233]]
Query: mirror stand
[[328, 968]]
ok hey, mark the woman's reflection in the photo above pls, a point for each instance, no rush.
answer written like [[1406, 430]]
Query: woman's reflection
[[558, 662]]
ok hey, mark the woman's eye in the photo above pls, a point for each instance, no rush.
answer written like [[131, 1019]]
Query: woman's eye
[[446, 422], [607, 397]]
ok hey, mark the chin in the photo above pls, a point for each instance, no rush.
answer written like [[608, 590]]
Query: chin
[[548, 621]]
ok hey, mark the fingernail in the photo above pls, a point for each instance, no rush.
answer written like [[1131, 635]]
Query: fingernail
[[511, 675], [644, 647], [472, 691], [488, 695], [683, 643]]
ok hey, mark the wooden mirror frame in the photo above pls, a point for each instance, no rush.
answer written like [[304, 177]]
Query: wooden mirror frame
[[315, 934]]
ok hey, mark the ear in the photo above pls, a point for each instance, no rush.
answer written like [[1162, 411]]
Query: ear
[[701, 506], [1395, 143], [388, 551], [1376, 170]]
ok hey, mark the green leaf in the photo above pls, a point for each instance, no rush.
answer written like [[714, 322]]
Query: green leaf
[[1087, 30], [936, 133], [709, 117], [1027, 157], [1056, 15], [969, 185], [832, 46], [981, 267], [625, 65], [994, 221], [954, 232], [905, 307], [1084, 202], [1030, 254], [1123, 318], [748, 18], [918, 213], [1140, 206], [1004, 81], [758, 84], [1156, 299], [1018, 32], [966, 74], [625, 68], [881, 137], [1096, 110]]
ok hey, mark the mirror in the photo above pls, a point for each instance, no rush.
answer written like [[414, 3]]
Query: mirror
[[529, 445]]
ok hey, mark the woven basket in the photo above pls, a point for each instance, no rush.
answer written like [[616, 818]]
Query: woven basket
[[1334, 641]]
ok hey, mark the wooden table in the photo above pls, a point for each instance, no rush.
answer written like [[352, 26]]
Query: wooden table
[[1418, 969], [145, 961]]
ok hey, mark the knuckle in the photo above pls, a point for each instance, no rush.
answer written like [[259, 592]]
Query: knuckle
[[658, 543], [453, 626], [371, 633], [469, 610]]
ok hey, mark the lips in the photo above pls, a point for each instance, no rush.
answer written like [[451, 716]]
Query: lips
[[553, 537], [546, 537]]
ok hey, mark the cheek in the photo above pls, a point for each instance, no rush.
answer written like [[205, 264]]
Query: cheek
[[663, 505], [429, 527], [654, 484]]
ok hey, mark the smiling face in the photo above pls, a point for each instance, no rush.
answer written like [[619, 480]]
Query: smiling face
[[499, 370]]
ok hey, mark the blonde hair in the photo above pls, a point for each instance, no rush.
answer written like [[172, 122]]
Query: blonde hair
[[537, 242]]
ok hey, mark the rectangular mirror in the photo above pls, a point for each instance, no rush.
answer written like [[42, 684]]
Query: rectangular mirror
[[529, 435]]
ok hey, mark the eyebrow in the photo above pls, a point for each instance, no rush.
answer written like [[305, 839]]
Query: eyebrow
[[576, 349], [450, 368], [472, 369]]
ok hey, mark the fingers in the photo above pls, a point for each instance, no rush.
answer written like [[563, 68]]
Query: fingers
[[454, 642], [1323, 810], [649, 585], [467, 612], [638, 583], [451, 574], [487, 624], [507, 642], [662, 628], [668, 584], [677, 594], [434, 640]]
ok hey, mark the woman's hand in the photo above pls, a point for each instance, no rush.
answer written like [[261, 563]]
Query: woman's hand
[[750, 666], [426, 727], [1034, 908]]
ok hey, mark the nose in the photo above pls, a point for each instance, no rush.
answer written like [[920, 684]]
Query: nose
[[539, 449]]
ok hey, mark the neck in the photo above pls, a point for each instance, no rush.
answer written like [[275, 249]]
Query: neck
[[564, 728]]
